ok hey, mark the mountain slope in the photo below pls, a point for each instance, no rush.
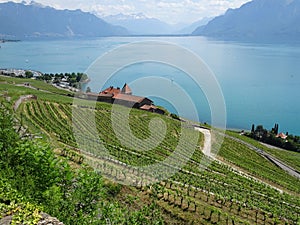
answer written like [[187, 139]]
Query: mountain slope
[[22, 21], [140, 24], [258, 20], [189, 29]]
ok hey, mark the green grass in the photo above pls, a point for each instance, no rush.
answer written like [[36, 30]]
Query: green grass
[[16, 91], [34, 83]]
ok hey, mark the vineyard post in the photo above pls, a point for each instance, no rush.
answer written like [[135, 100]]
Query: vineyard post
[[265, 217], [188, 204], [239, 209], [211, 213], [181, 201], [219, 215]]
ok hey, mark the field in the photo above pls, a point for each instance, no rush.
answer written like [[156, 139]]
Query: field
[[241, 187]]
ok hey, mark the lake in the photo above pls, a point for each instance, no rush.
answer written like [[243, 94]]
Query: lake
[[260, 82]]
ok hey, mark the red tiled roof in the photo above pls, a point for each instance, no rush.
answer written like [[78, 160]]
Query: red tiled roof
[[129, 98], [111, 90], [282, 136], [148, 107], [126, 90], [106, 95]]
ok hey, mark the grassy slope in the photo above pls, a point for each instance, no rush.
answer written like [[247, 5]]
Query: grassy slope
[[215, 177], [34, 83], [16, 91]]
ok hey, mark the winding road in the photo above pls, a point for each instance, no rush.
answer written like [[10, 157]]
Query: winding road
[[207, 151], [207, 141], [269, 157]]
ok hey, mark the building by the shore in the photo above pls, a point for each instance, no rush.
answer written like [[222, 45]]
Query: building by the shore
[[124, 97], [20, 73]]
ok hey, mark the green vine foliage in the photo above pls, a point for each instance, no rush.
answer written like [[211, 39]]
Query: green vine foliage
[[34, 180], [13, 204]]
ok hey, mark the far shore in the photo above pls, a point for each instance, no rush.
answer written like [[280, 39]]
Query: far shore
[[8, 40]]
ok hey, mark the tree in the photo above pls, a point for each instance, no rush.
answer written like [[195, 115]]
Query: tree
[[275, 129], [175, 116], [56, 80], [260, 133], [252, 129], [88, 89], [72, 81], [28, 74], [47, 77], [84, 77]]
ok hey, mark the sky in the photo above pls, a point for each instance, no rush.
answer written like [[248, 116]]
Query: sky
[[170, 11]]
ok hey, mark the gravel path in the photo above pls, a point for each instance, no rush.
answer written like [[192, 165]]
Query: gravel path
[[207, 151], [22, 99], [207, 141]]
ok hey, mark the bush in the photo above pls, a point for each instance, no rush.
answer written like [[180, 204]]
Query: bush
[[175, 116]]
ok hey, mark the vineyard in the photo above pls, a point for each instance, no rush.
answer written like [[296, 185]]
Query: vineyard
[[217, 194], [289, 157]]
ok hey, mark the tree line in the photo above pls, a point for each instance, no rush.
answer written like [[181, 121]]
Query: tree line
[[73, 79], [272, 137]]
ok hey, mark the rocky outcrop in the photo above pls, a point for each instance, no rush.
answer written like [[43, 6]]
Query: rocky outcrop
[[6, 220], [48, 220]]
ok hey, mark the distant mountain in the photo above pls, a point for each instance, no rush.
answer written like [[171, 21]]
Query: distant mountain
[[258, 20], [189, 29], [140, 24], [27, 21]]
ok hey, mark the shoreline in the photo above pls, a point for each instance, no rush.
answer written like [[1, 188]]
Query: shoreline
[[9, 40]]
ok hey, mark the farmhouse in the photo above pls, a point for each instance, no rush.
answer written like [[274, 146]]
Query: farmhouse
[[124, 97]]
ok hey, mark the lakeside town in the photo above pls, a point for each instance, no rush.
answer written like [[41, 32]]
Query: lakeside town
[[67, 81]]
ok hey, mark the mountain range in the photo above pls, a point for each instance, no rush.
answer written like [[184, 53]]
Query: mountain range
[[139, 24], [258, 20], [27, 21]]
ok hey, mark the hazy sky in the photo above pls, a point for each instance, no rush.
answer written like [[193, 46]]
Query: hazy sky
[[171, 11]]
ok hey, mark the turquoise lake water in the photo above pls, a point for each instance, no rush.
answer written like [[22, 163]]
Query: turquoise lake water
[[260, 83]]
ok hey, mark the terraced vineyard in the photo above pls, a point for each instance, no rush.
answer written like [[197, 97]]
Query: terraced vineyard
[[217, 194], [251, 161], [289, 157]]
